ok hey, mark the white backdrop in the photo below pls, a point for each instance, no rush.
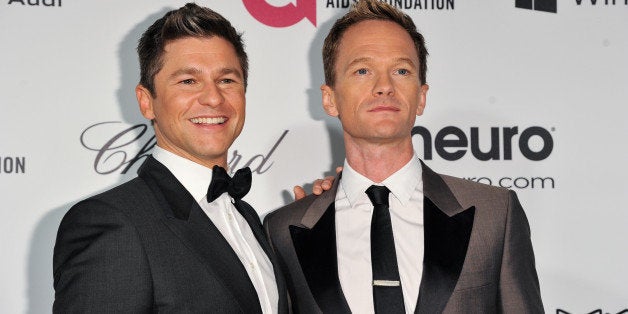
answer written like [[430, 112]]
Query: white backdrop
[[560, 78]]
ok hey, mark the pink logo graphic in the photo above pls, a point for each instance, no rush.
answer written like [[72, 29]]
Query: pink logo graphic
[[284, 16]]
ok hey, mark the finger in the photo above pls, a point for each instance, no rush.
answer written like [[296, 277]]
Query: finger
[[327, 183], [338, 169], [317, 187], [299, 192]]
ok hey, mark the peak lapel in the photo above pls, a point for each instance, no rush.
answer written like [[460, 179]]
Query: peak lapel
[[447, 232], [315, 245]]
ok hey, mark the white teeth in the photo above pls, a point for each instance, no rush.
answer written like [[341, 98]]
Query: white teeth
[[219, 120]]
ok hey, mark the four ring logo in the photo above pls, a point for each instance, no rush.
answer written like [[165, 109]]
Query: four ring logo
[[283, 16]]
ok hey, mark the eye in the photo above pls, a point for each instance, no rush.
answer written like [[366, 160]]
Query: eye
[[227, 81], [362, 71], [188, 81], [403, 71]]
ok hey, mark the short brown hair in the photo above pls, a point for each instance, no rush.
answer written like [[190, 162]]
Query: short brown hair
[[190, 20], [365, 10]]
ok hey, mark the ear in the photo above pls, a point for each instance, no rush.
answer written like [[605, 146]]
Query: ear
[[422, 99], [145, 101], [329, 101]]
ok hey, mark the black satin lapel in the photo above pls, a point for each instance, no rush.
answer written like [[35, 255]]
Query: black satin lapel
[[196, 231], [167, 188], [252, 218], [446, 244], [203, 238], [316, 250]]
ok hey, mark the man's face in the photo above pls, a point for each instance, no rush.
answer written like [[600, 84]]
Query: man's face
[[198, 106], [377, 93]]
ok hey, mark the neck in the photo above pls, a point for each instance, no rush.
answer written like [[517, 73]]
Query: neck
[[208, 162], [378, 160], [211, 163]]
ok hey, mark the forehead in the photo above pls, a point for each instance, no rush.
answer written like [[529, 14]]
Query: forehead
[[377, 39], [209, 50]]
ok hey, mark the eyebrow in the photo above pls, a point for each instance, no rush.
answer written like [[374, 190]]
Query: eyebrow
[[182, 71], [406, 60], [195, 71], [225, 71], [358, 60], [368, 59]]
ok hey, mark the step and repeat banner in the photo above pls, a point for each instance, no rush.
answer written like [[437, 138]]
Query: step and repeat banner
[[528, 95]]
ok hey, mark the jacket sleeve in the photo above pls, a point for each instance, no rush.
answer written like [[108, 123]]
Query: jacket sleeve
[[99, 264], [519, 290]]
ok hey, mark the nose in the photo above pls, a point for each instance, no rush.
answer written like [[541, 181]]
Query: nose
[[211, 96], [383, 86]]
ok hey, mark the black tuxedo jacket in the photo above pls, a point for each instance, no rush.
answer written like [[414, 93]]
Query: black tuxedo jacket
[[147, 246], [478, 255]]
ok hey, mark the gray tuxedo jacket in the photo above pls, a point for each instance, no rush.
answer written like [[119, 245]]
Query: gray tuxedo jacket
[[146, 246], [478, 254]]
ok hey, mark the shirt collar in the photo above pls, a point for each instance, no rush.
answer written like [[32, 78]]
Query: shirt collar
[[194, 177], [401, 184], [404, 182], [354, 184]]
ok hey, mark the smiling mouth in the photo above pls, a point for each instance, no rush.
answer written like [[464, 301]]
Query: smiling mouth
[[218, 120]]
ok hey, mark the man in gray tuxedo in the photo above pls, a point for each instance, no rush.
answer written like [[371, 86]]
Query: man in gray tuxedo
[[169, 241], [393, 236]]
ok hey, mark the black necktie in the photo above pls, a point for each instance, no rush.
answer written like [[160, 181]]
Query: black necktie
[[237, 187], [387, 293]]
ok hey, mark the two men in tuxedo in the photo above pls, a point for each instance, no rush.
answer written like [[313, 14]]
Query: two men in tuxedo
[[168, 241], [393, 236]]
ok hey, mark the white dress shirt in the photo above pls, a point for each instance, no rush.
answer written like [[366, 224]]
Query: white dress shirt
[[234, 228], [353, 234]]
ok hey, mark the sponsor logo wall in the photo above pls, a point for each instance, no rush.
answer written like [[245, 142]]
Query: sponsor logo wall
[[528, 95]]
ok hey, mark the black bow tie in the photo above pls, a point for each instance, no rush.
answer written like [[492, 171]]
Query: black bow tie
[[237, 187]]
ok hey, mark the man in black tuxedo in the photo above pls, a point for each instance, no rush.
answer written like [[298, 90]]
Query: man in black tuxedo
[[163, 242]]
